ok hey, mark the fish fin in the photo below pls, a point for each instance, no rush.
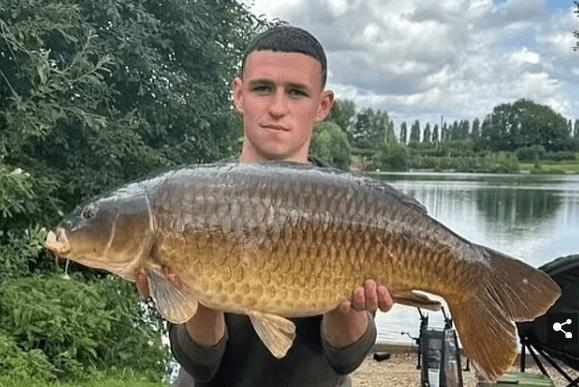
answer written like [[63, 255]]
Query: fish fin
[[511, 291], [174, 304], [416, 299], [277, 333]]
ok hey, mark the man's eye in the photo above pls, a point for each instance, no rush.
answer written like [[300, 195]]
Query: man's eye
[[298, 93], [262, 89]]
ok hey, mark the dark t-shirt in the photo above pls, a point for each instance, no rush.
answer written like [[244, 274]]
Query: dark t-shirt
[[241, 359]]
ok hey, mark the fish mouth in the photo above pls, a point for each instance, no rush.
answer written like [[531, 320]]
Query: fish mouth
[[57, 242]]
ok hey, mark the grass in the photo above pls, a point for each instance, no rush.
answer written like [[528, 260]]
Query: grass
[[100, 380], [543, 167]]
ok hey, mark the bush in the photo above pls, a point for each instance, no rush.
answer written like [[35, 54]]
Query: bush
[[504, 163], [561, 156], [527, 155], [331, 144], [83, 327], [19, 251], [135, 338], [392, 157], [59, 317], [22, 365]]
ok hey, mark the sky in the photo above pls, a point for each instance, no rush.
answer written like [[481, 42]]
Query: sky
[[449, 59]]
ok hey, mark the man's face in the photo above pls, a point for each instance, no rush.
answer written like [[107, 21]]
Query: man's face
[[280, 98]]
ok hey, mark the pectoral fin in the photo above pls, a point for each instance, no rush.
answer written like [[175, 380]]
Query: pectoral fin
[[416, 299], [276, 332], [174, 304]]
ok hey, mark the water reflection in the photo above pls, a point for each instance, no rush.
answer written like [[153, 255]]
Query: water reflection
[[534, 218]]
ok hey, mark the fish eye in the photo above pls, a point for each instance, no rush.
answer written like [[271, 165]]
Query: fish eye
[[88, 212]]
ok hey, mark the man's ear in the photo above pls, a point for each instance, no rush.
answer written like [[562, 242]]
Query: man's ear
[[236, 91], [325, 106]]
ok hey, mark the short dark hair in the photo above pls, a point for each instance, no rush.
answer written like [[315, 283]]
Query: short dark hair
[[289, 39]]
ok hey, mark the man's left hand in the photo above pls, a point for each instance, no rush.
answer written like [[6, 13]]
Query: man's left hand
[[370, 297]]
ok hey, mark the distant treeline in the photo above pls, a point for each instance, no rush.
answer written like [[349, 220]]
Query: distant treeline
[[525, 131]]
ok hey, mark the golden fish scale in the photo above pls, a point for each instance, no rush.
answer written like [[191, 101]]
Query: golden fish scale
[[254, 249]]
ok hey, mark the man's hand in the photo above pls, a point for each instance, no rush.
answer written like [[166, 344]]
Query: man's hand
[[370, 297], [206, 327], [142, 286], [347, 324]]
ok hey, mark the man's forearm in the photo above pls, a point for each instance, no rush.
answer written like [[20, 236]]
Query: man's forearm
[[207, 327]]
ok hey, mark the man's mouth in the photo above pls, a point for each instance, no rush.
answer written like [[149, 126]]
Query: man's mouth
[[275, 127]]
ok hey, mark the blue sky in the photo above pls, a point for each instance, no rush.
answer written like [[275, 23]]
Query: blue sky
[[453, 58], [552, 4]]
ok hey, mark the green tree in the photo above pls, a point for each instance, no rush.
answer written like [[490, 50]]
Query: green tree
[[426, 136], [435, 134], [525, 123], [390, 135], [475, 134], [391, 157], [415, 132], [369, 129], [576, 32], [464, 129], [343, 114], [576, 130], [454, 132], [444, 133], [403, 133], [330, 144], [95, 93]]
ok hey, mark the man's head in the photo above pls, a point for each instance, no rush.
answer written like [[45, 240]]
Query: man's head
[[289, 39], [280, 95]]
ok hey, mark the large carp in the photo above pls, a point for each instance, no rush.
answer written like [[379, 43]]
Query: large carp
[[283, 240]]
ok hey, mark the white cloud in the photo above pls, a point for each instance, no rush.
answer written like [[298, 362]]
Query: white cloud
[[457, 58]]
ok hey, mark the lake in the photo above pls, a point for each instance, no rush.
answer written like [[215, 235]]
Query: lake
[[532, 217]]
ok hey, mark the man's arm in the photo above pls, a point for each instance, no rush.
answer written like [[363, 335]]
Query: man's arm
[[199, 343], [349, 332]]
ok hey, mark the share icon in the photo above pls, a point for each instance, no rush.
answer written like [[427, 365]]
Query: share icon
[[559, 327], [562, 328]]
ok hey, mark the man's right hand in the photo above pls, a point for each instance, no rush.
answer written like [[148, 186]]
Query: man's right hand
[[206, 327]]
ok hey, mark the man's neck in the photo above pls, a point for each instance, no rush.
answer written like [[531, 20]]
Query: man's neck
[[247, 158]]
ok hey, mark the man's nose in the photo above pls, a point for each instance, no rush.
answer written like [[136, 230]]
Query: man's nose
[[278, 106]]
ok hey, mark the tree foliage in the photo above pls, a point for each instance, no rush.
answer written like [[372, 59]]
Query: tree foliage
[[415, 132], [369, 129], [391, 157], [95, 93], [576, 32], [331, 145], [81, 327], [523, 124], [343, 114], [403, 133]]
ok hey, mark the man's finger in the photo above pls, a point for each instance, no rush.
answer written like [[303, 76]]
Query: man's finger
[[358, 299], [384, 299], [371, 296]]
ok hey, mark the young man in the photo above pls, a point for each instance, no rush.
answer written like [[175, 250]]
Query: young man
[[280, 93]]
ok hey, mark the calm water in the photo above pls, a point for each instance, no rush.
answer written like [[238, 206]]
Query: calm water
[[533, 218]]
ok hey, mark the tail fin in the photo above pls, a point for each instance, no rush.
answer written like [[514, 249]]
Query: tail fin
[[511, 291]]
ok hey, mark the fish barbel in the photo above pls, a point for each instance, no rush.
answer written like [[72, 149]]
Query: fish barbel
[[282, 240]]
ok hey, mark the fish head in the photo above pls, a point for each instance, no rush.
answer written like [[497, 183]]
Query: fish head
[[113, 234]]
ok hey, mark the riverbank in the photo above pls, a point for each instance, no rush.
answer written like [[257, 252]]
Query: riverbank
[[400, 371]]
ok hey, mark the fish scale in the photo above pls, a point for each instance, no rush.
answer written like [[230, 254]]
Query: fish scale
[[281, 240]]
